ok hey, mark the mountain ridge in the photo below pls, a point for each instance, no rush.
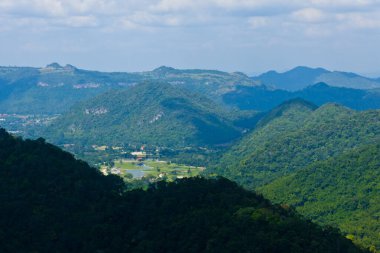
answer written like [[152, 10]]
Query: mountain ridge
[[63, 86], [152, 113], [263, 98], [296, 137], [300, 77]]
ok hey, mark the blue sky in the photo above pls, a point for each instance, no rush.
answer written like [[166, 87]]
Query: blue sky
[[252, 36]]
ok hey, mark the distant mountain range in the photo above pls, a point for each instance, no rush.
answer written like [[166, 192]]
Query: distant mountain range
[[263, 98], [302, 77], [54, 89]]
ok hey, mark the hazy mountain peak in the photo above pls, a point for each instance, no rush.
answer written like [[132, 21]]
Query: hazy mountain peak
[[54, 65], [301, 77], [70, 67], [294, 79], [319, 85], [305, 68], [238, 73], [164, 70]]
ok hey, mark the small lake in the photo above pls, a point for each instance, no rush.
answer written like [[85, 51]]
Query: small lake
[[139, 173], [136, 173]]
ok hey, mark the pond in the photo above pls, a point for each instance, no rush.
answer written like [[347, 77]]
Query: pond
[[139, 173], [136, 173]]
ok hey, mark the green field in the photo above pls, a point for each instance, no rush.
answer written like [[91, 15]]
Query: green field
[[153, 169]]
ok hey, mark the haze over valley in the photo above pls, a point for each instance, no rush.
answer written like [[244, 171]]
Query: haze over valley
[[139, 126]]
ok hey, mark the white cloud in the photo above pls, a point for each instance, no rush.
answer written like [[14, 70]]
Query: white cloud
[[359, 20], [258, 22], [317, 31], [80, 21], [343, 3], [177, 5], [236, 34], [137, 13], [311, 15]]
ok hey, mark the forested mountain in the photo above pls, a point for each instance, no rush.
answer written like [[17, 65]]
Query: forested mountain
[[294, 135], [301, 77], [55, 88], [324, 160], [51, 202], [341, 191], [264, 98], [150, 113]]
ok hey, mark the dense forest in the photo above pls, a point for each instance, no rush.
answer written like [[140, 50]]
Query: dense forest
[[343, 191], [54, 203], [294, 135], [324, 161]]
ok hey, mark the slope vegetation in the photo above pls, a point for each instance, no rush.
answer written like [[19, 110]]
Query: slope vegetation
[[149, 113], [54, 89], [54, 203], [294, 136], [342, 191]]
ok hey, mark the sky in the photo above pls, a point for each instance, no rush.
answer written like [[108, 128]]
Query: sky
[[251, 36]]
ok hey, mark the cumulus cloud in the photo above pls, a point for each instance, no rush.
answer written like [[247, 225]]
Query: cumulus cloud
[[309, 15], [189, 24], [258, 22], [135, 13], [369, 20]]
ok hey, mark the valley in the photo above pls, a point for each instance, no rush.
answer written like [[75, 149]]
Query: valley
[[310, 149], [151, 169], [182, 126]]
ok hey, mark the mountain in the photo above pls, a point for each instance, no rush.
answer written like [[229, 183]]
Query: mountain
[[341, 191], [292, 80], [294, 135], [212, 83], [259, 98], [263, 98], [324, 161], [150, 113], [54, 89], [301, 77], [54, 203], [322, 93]]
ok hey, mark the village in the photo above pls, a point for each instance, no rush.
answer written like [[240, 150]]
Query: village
[[145, 165], [20, 123]]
